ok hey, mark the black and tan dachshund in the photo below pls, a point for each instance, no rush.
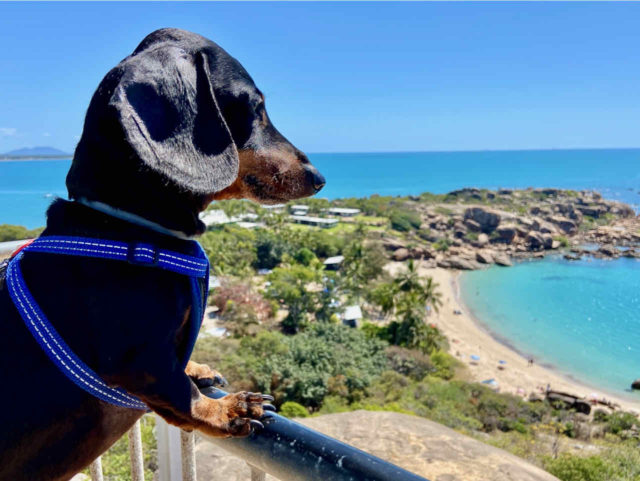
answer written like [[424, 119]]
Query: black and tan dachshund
[[175, 125]]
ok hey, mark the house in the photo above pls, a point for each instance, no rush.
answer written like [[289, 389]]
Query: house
[[214, 282], [333, 263], [299, 209], [314, 221], [342, 211], [274, 207], [351, 316], [249, 225], [215, 217]]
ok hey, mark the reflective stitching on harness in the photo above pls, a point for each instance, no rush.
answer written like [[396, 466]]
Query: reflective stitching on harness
[[118, 251], [47, 336], [199, 264]]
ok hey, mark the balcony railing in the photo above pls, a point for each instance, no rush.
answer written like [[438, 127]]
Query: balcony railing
[[284, 449]]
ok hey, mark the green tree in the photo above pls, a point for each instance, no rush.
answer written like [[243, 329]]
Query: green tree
[[231, 250], [408, 296], [362, 264], [291, 286], [17, 232]]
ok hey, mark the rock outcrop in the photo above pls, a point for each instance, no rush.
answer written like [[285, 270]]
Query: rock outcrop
[[484, 257], [472, 231], [487, 219], [502, 260], [507, 233], [413, 443]]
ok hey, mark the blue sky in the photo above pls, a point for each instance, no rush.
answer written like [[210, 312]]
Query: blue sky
[[354, 77]]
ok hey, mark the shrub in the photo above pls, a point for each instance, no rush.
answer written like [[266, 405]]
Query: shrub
[[444, 364], [17, 232], [269, 249], [236, 292], [409, 362], [292, 409], [564, 242], [621, 421], [323, 359], [575, 468], [471, 236], [442, 245], [426, 234], [231, 250], [404, 221], [304, 256]]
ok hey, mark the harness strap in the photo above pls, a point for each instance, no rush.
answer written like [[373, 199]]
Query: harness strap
[[48, 338], [136, 253]]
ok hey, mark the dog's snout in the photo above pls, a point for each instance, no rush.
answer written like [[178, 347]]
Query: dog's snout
[[316, 179]]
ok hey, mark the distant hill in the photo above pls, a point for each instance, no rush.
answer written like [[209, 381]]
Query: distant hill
[[36, 152]]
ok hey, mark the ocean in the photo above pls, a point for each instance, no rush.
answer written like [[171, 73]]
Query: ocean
[[26, 188], [580, 317]]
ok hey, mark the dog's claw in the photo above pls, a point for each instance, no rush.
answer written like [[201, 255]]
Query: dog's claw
[[267, 397], [269, 407], [267, 418], [256, 425]]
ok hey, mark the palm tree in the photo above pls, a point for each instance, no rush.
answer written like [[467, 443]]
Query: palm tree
[[409, 280], [408, 295]]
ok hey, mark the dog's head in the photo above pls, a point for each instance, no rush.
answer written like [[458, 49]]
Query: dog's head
[[185, 112]]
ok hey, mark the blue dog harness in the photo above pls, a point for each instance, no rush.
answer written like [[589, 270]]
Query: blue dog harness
[[142, 254]]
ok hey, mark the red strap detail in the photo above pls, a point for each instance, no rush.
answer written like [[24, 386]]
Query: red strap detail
[[17, 251]]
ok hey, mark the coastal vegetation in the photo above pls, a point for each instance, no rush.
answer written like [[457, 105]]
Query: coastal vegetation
[[17, 232], [283, 292], [395, 359]]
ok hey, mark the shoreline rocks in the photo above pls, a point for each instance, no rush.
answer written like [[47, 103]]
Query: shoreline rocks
[[472, 228]]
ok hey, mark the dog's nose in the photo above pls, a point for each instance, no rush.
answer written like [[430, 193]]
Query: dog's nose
[[316, 179]]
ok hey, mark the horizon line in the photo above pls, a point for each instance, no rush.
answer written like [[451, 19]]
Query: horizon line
[[446, 151], [436, 151]]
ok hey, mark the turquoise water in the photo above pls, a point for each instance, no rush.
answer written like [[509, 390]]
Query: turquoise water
[[581, 317], [27, 188], [615, 173]]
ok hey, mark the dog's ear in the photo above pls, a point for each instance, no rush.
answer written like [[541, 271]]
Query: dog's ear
[[167, 108]]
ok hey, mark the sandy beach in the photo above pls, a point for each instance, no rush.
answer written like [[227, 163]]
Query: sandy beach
[[468, 338]]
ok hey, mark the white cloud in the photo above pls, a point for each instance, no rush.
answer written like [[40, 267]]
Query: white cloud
[[8, 131], [47, 134]]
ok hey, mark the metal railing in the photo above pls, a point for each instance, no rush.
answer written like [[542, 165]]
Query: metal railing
[[284, 449]]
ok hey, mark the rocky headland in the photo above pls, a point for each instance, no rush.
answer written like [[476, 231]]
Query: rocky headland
[[469, 228]]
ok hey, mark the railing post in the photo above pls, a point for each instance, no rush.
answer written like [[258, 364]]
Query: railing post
[[135, 453], [188, 451], [169, 451], [257, 474], [95, 469]]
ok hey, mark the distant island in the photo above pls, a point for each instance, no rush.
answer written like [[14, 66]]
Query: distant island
[[34, 153]]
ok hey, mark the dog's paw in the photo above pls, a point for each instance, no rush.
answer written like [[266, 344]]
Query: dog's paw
[[204, 376], [244, 411]]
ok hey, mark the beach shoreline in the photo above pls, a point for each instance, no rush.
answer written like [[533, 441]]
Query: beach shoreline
[[469, 336]]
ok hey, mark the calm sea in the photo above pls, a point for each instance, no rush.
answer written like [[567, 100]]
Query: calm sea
[[26, 188], [581, 317], [589, 323]]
